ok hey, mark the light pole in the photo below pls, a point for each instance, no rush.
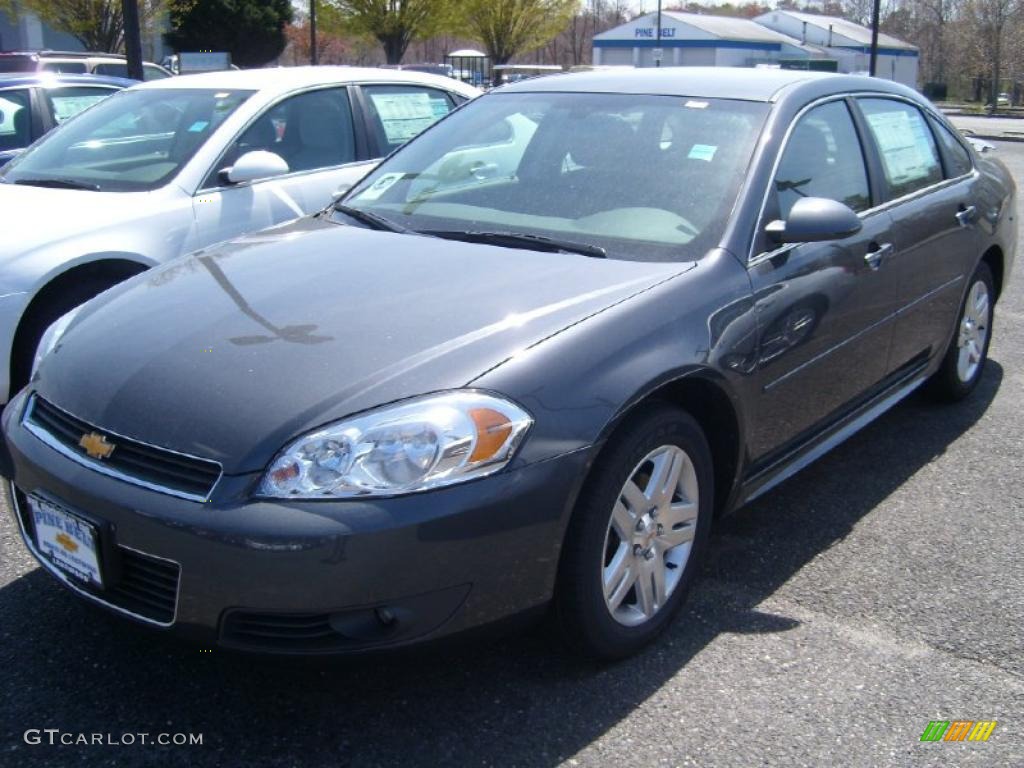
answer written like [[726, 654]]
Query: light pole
[[132, 38], [874, 37], [312, 32], [657, 61]]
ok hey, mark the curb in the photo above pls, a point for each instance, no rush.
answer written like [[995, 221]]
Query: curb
[[992, 137]]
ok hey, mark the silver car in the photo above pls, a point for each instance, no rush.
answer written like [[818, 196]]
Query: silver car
[[174, 165]]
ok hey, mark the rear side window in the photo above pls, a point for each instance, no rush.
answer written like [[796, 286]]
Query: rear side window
[[823, 158], [152, 72], [958, 160], [15, 120], [399, 112], [910, 158], [68, 102], [111, 69]]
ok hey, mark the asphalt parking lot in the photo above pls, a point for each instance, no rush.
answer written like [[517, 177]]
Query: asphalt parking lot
[[878, 590]]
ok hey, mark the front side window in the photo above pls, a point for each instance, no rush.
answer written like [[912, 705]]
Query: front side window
[[910, 158], [823, 158], [136, 140], [68, 102], [309, 132], [958, 160], [399, 112], [15, 119], [647, 178]]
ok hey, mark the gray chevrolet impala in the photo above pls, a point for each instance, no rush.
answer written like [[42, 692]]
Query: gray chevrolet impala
[[521, 366]]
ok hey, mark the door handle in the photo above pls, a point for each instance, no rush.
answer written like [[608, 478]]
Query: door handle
[[877, 254], [965, 215]]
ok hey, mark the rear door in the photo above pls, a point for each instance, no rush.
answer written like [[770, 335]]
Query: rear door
[[928, 180], [315, 134], [824, 309]]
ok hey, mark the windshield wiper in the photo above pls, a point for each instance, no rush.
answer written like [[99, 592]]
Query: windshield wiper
[[59, 184], [523, 240], [373, 219]]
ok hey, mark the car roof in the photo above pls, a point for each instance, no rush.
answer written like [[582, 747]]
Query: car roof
[[290, 78], [8, 79], [700, 82]]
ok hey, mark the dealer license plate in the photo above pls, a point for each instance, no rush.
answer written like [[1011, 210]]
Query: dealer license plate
[[66, 540]]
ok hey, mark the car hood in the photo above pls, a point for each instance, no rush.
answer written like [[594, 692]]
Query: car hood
[[231, 353]]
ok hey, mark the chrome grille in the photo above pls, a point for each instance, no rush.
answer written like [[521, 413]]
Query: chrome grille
[[146, 465]]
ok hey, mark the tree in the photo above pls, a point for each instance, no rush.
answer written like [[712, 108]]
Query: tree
[[394, 23], [252, 31], [507, 28], [97, 24], [991, 19]]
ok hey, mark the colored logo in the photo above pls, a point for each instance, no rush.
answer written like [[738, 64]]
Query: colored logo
[[67, 542], [958, 730], [96, 445]]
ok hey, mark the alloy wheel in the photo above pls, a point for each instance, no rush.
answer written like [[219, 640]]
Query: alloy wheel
[[650, 535], [973, 331]]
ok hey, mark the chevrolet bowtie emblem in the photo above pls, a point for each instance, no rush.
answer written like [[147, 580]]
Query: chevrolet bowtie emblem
[[66, 541], [96, 445]]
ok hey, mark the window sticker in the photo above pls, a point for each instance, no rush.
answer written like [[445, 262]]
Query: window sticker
[[198, 126], [705, 152], [696, 104], [380, 186], [69, 106], [905, 147], [440, 107], [403, 115]]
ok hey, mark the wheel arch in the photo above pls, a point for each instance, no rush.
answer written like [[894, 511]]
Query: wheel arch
[[106, 269], [707, 397], [993, 257]]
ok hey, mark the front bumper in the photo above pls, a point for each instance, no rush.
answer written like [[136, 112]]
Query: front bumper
[[312, 577]]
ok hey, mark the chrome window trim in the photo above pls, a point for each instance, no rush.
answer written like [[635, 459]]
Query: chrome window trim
[[47, 439], [753, 259], [69, 582]]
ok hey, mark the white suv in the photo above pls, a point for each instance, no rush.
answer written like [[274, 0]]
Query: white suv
[[174, 165]]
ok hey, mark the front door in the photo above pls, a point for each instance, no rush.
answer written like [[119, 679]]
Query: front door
[[824, 309], [314, 133]]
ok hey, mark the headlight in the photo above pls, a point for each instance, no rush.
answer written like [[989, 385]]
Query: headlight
[[423, 443], [51, 336]]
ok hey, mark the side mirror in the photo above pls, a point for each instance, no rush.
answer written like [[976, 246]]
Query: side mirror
[[254, 165], [815, 219]]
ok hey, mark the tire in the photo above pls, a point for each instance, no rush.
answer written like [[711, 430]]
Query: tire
[[39, 318], [594, 553], [961, 370]]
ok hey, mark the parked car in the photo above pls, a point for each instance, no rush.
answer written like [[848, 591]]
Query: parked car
[[460, 396], [30, 105], [76, 63], [174, 165]]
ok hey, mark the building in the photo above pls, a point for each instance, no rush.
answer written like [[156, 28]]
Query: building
[[25, 32], [848, 43], [692, 39], [785, 39]]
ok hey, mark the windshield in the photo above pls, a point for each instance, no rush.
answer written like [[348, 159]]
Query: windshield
[[649, 178], [133, 141]]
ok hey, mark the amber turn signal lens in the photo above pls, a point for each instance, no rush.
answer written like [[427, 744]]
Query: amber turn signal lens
[[492, 430]]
